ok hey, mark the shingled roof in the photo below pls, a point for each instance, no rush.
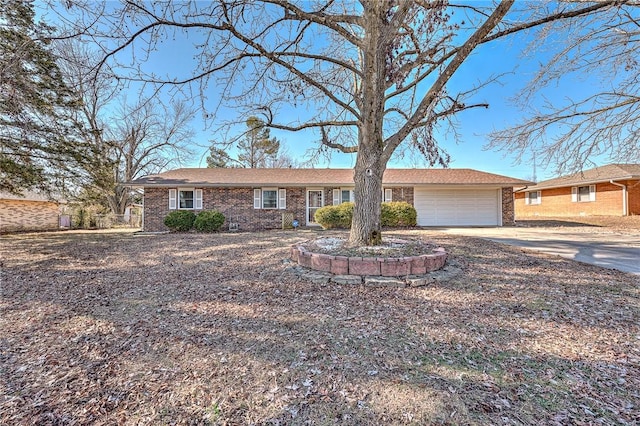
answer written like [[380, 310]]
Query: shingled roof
[[222, 177], [591, 176]]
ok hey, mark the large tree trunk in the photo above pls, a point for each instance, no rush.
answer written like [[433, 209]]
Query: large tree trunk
[[366, 224], [370, 164]]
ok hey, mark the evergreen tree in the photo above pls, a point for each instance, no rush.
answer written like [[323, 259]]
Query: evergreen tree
[[33, 100], [218, 158], [257, 147]]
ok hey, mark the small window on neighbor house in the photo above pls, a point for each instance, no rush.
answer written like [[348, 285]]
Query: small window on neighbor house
[[583, 193], [533, 197]]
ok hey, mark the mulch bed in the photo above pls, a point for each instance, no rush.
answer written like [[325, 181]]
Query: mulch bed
[[219, 329], [390, 247]]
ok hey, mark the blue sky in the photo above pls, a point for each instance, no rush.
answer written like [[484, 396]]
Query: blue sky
[[503, 56], [498, 57], [473, 125]]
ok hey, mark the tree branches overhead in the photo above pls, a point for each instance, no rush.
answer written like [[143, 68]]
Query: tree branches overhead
[[600, 116], [265, 55]]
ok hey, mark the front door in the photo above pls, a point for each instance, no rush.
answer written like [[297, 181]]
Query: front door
[[314, 202]]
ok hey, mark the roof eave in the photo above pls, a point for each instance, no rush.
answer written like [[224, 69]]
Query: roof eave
[[583, 182]]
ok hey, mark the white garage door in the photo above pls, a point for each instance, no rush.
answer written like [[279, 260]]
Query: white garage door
[[457, 207]]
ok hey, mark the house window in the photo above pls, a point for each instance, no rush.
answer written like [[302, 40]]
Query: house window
[[533, 197], [387, 195], [185, 199], [270, 198], [583, 194], [342, 195]]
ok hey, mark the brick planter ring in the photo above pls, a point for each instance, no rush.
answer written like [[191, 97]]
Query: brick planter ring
[[369, 266]]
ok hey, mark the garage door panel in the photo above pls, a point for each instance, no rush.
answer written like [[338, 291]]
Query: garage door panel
[[457, 207]]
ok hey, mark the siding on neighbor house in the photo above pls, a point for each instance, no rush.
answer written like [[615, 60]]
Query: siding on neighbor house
[[24, 215], [558, 202]]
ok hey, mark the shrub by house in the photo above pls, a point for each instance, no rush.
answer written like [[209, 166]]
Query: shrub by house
[[395, 213], [180, 220], [208, 221]]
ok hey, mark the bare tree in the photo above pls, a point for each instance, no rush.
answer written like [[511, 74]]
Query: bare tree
[[375, 73], [121, 141], [606, 119]]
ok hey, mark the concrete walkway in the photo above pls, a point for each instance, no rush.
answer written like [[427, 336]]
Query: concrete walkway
[[607, 249]]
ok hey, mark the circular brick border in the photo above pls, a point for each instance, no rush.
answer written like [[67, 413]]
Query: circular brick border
[[369, 266]]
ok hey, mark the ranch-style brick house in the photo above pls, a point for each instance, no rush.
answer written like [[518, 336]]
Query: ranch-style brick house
[[611, 190], [253, 199]]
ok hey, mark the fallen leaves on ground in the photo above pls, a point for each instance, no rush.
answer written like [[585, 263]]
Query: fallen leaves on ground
[[221, 329]]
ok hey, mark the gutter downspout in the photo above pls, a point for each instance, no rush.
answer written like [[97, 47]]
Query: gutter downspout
[[625, 209]]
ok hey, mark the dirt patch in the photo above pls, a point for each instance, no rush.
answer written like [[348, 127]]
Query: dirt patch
[[218, 329]]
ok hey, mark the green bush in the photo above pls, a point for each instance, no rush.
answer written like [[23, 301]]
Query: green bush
[[395, 213], [335, 216], [398, 213], [208, 221], [180, 220]]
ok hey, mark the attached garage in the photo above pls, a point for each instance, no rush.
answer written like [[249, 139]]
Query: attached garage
[[458, 206]]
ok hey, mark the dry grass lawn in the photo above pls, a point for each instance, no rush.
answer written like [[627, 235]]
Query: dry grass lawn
[[221, 329]]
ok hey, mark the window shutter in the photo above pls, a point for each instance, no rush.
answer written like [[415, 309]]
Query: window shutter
[[527, 198], [592, 192], [282, 198], [539, 198], [197, 202], [257, 199], [173, 199], [388, 195], [336, 197], [574, 194], [351, 196]]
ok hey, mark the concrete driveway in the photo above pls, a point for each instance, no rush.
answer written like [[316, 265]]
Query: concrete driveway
[[589, 245]]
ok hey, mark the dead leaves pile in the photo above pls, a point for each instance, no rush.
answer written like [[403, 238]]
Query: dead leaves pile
[[222, 329]]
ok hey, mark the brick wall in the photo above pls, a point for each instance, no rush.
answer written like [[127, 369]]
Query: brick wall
[[633, 189], [23, 215], [557, 202], [508, 213], [156, 208], [403, 194], [237, 206]]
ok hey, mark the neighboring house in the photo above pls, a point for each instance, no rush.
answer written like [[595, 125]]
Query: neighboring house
[[257, 198], [612, 190], [30, 212]]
